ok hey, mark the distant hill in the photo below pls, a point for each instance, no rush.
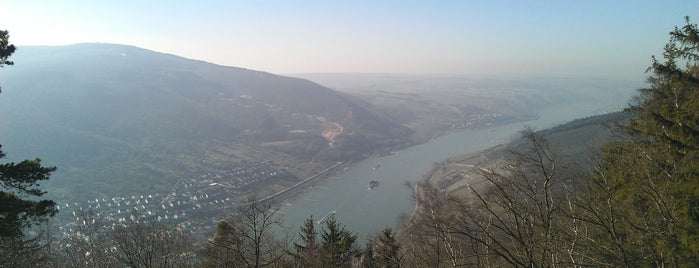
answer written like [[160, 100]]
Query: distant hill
[[118, 118], [573, 143], [436, 104], [577, 140]]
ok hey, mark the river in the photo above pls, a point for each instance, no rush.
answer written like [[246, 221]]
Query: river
[[366, 211]]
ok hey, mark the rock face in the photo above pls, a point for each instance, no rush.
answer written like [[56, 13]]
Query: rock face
[[94, 109]]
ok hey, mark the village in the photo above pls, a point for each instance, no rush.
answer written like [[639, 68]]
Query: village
[[194, 204]]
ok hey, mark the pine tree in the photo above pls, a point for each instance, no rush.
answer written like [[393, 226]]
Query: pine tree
[[667, 129], [368, 256], [306, 254], [337, 245], [652, 178], [387, 250], [19, 180], [6, 49], [19, 191]]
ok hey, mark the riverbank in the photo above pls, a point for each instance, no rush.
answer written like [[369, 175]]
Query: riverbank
[[366, 211], [301, 186], [455, 175]]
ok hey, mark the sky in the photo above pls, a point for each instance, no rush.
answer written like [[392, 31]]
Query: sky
[[563, 37]]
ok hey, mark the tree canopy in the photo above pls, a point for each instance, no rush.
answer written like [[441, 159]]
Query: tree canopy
[[6, 49], [19, 191], [655, 172]]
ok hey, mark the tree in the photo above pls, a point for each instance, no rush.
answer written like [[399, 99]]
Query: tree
[[337, 245], [19, 207], [144, 242], [6, 49], [369, 256], [520, 218], [90, 245], [652, 176], [21, 180], [428, 242], [517, 215], [139, 241], [246, 239], [385, 250], [307, 252]]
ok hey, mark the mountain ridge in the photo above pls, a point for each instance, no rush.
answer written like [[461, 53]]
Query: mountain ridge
[[94, 109]]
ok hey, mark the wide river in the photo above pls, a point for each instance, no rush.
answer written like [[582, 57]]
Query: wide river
[[366, 211]]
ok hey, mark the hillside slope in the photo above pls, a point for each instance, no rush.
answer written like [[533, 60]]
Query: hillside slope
[[572, 143], [111, 116]]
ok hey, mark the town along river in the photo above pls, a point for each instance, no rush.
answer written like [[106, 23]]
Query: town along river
[[364, 211]]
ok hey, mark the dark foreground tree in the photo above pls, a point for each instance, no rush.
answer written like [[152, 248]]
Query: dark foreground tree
[[652, 178], [307, 250], [19, 191], [6, 49], [338, 246], [383, 251], [20, 182]]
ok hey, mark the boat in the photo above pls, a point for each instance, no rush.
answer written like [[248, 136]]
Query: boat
[[377, 166], [373, 184], [330, 215]]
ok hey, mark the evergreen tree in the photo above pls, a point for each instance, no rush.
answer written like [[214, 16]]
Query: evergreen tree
[[387, 250], [6, 49], [19, 207], [652, 178], [19, 180], [368, 256], [338, 245], [666, 132], [306, 254]]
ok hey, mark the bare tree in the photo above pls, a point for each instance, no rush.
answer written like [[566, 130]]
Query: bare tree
[[90, 245], [147, 243], [521, 217], [246, 239], [32, 250], [426, 236], [137, 242]]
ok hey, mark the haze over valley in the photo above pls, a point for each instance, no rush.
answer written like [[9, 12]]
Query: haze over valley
[[124, 123], [415, 127]]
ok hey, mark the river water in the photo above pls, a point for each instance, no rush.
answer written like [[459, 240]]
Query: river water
[[366, 211]]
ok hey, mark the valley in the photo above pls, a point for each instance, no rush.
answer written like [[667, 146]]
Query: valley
[[184, 142], [349, 134], [435, 105]]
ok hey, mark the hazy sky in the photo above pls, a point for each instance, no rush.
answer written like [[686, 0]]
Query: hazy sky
[[559, 37]]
